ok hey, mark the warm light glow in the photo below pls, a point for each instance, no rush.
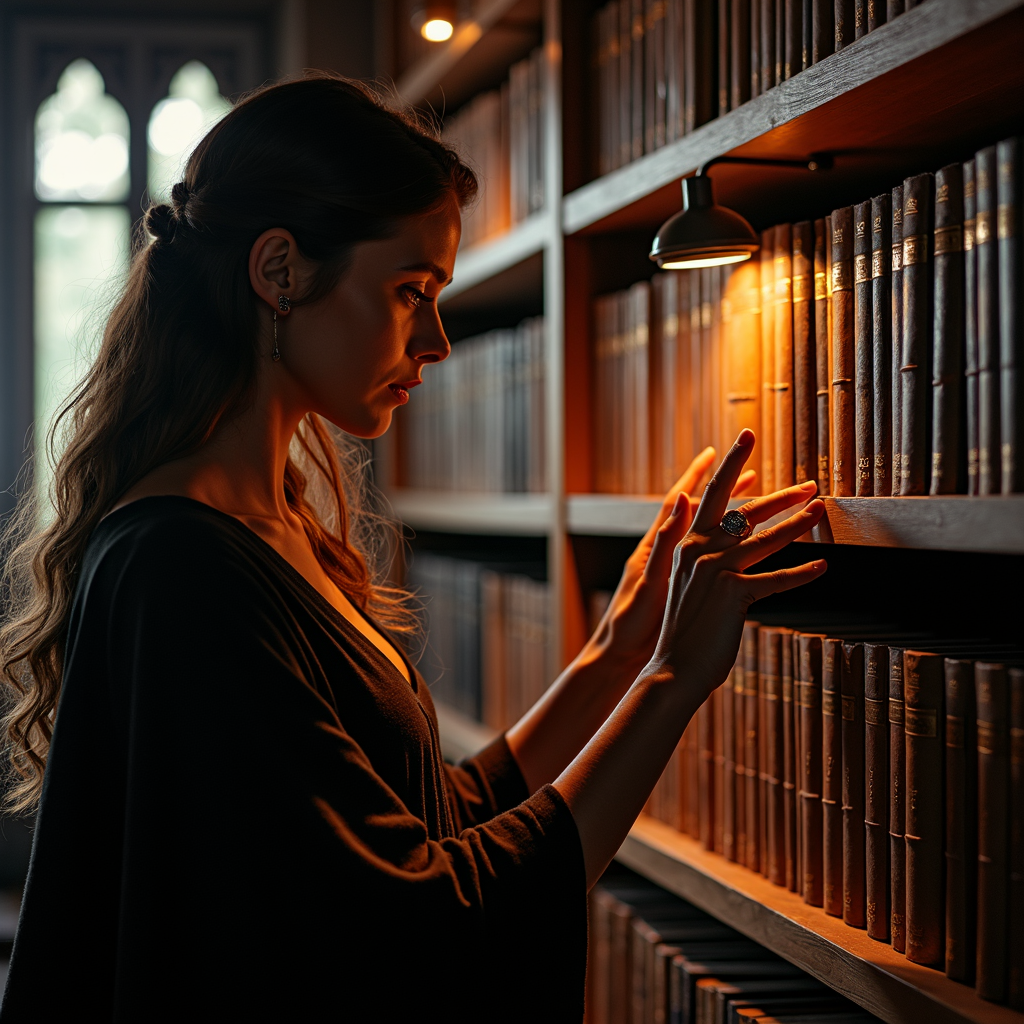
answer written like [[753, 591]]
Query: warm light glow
[[705, 261], [436, 30]]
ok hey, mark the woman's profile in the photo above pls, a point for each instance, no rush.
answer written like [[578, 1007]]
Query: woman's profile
[[243, 811]]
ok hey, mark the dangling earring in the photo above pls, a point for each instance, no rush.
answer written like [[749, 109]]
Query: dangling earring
[[275, 353]]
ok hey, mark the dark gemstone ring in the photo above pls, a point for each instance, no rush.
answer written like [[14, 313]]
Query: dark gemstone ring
[[736, 524]]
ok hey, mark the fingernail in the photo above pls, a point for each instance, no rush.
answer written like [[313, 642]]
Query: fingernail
[[808, 485], [821, 564], [678, 504]]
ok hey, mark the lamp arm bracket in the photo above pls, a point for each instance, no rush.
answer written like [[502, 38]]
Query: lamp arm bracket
[[815, 162]]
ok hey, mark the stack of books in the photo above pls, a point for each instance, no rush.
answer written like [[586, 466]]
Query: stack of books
[[880, 775]]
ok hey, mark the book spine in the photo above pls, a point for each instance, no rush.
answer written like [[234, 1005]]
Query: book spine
[[897, 805], [724, 37], [923, 691], [808, 707], [718, 770], [783, 386], [636, 63], [739, 777], [674, 52], [821, 361], [863, 341], [844, 23], [700, 94], [852, 682], [755, 48], [742, 369], [751, 782], [993, 835], [876, 14], [793, 55], [896, 291], [881, 344], [971, 410], [739, 52], [804, 382], [768, 80], [767, 260], [790, 760], [843, 443], [774, 755], [876, 790], [948, 344], [808, 33], [780, 40], [893, 8], [706, 773], [860, 18], [832, 775], [987, 249], [1011, 316], [624, 130], [729, 767], [961, 819], [1015, 907], [823, 35], [915, 368], [693, 796], [765, 672]]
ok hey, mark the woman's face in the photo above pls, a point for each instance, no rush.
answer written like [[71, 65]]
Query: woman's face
[[355, 356]]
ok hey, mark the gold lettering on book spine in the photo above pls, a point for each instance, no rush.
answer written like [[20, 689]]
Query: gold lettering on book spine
[[988, 737], [849, 709], [983, 227], [920, 722], [969, 234], [915, 250], [955, 731], [948, 240], [897, 257], [895, 711], [841, 277], [875, 711], [820, 291], [860, 268], [878, 267], [1006, 219]]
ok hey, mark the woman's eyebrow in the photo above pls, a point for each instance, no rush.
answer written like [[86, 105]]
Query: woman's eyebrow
[[434, 269]]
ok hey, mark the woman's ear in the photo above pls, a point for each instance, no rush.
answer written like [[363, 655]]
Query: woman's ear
[[274, 266]]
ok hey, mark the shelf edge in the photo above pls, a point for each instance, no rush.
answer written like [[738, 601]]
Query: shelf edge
[[526, 515]]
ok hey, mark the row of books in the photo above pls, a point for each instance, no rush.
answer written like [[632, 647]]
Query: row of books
[[488, 629], [501, 134], [879, 775], [654, 957], [875, 350], [664, 67], [477, 422]]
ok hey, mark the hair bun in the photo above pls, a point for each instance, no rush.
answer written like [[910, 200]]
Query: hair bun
[[161, 222], [180, 195]]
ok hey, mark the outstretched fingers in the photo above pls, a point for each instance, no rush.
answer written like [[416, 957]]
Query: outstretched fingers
[[767, 542], [716, 496], [669, 534], [758, 510], [765, 584]]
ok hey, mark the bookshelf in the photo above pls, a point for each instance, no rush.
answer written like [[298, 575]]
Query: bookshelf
[[932, 86]]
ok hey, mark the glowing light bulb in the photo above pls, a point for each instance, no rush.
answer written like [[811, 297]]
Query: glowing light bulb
[[706, 261], [436, 30]]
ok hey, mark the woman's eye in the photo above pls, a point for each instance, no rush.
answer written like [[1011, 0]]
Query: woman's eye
[[415, 296]]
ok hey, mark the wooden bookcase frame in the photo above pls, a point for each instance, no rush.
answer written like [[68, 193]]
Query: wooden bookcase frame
[[930, 87]]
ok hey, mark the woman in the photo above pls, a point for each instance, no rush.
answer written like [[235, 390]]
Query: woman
[[244, 813]]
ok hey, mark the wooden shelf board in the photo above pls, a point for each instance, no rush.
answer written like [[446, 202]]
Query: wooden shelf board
[[524, 515], [870, 973], [461, 736], [941, 523], [934, 83]]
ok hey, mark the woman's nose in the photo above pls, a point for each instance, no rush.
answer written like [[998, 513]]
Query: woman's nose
[[430, 344]]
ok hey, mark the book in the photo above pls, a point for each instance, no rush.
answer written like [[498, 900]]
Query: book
[[674, 50], [755, 48], [842, 354], [768, 79], [860, 18], [739, 52], [636, 86], [752, 801], [971, 408], [768, 375], [793, 56], [790, 763], [876, 14], [783, 369], [699, 90], [780, 40], [655, 82], [736, 961], [876, 790], [1011, 316], [740, 774], [897, 804], [724, 39], [844, 23], [831, 775], [923, 693], [852, 696], [893, 8], [823, 36], [804, 371], [987, 264], [772, 728], [718, 703], [808, 699], [948, 340], [742, 359], [1015, 904], [915, 361], [863, 352], [897, 337], [706, 773], [822, 364], [881, 344]]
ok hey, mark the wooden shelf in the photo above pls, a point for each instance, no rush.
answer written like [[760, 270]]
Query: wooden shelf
[[931, 85], [523, 515], [940, 523], [870, 973]]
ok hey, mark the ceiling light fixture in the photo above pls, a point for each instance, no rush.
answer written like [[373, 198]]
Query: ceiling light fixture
[[704, 234], [435, 22]]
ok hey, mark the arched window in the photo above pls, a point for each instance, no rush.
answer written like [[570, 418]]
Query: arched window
[[193, 105]]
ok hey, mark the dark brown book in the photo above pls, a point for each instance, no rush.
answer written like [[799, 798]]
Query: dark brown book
[[876, 790], [832, 775], [822, 365], [893, 9], [706, 773], [915, 361], [863, 349], [656, 117], [876, 14], [724, 39], [739, 52], [971, 410], [808, 33], [755, 47], [625, 82], [823, 34], [992, 691], [923, 696], [693, 779], [700, 100], [728, 782], [844, 23], [843, 431], [852, 683], [948, 337], [860, 18], [636, 64], [783, 356], [1015, 908], [718, 769], [881, 344], [773, 759], [808, 707], [1011, 316], [961, 819], [987, 257], [790, 760], [767, 437], [780, 41], [897, 805], [793, 53], [740, 778], [768, 79], [897, 335], [751, 782]]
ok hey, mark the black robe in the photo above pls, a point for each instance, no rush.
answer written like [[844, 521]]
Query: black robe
[[246, 815]]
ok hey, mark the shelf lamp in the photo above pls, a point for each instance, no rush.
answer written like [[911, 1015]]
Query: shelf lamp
[[435, 22], [704, 234]]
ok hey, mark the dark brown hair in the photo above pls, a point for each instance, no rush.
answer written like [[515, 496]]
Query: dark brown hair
[[329, 160]]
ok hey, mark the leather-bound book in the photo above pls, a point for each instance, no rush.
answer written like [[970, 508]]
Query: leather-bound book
[[706, 773], [808, 707], [832, 775], [755, 47], [773, 758], [843, 442], [728, 783], [893, 8], [693, 779], [625, 82], [1011, 315], [790, 760], [863, 346], [700, 100], [808, 33], [742, 370], [948, 338], [881, 345], [992, 691], [793, 54], [751, 782], [780, 40], [897, 335], [923, 696], [804, 382], [655, 82], [636, 64], [739, 52], [987, 250], [876, 14], [768, 79], [961, 818], [823, 34], [768, 378], [852, 682], [822, 365], [739, 715], [897, 805], [876, 790], [718, 768], [971, 410], [915, 362], [844, 23], [724, 39], [783, 356], [860, 18], [764, 671], [1015, 955]]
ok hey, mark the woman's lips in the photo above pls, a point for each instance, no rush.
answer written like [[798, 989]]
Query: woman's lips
[[401, 391]]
